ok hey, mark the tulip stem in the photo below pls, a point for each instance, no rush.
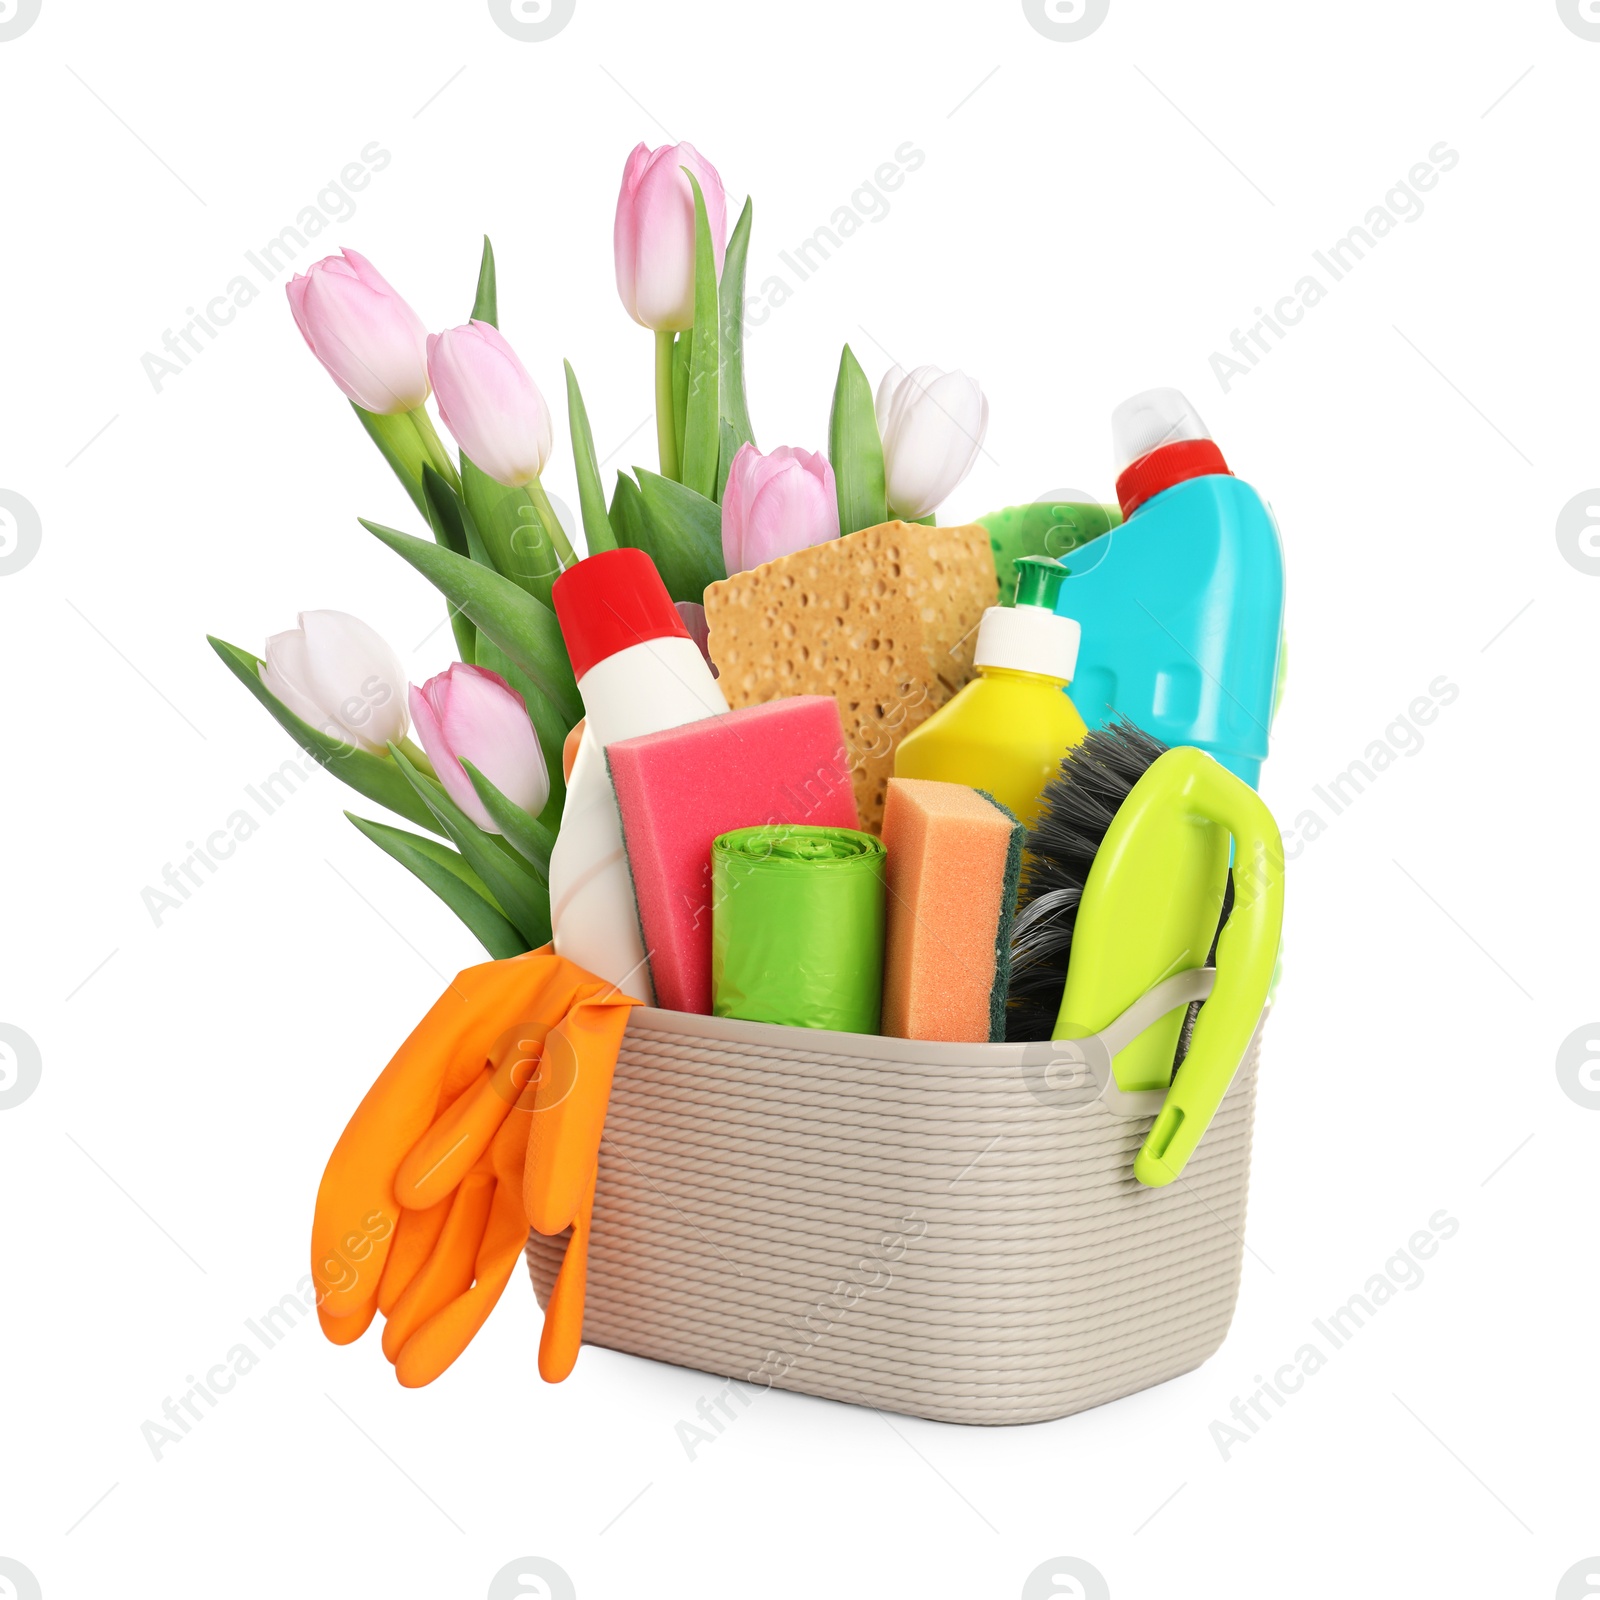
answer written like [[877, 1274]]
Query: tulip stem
[[556, 534], [438, 456], [415, 754], [666, 433]]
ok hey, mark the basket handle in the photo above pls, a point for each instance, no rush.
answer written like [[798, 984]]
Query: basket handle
[[1247, 952], [1181, 989]]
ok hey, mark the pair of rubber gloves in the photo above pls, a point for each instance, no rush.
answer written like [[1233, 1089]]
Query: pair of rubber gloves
[[487, 1122]]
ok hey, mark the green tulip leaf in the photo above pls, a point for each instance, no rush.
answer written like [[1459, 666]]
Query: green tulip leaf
[[408, 441], [448, 518], [629, 519], [550, 724], [682, 350], [508, 522], [446, 514], [523, 898], [449, 505], [376, 777], [486, 305], [731, 445], [522, 626], [702, 409], [597, 534], [529, 838], [855, 450], [731, 397], [399, 445], [683, 536], [449, 876]]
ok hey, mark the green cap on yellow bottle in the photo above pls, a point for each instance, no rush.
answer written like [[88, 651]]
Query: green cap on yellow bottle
[[1039, 580]]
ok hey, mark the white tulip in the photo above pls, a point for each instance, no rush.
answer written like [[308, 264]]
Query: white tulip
[[932, 423], [339, 676]]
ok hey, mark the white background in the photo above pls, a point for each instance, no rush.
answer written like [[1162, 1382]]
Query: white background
[[1091, 218]]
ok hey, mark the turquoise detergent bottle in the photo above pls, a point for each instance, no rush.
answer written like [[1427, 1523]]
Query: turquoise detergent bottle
[[1182, 606]]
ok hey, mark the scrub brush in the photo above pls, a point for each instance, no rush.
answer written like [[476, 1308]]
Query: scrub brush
[[1095, 778], [1124, 886], [1077, 808]]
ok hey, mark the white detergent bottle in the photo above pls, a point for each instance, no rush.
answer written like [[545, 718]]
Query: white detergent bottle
[[638, 672]]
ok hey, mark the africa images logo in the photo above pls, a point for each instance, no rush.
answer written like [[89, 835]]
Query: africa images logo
[[1067, 1578], [544, 1579], [1578, 532], [1066, 21], [16, 17], [21, 1066], [1582, 16], [21, 532], [532, 21]]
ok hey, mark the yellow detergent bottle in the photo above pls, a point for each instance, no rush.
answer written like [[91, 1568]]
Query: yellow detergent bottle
[[1007, 731]]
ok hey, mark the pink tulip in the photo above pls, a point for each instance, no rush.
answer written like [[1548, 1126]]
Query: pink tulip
[[776, 504], [468, 713], [654, 234], [489, 403], [372, 343]]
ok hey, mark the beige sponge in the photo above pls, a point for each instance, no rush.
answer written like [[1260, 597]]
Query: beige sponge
[[951, 580], [884, 620], [955, 856]]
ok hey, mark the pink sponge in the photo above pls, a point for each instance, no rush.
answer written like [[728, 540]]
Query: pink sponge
[[784, 761]]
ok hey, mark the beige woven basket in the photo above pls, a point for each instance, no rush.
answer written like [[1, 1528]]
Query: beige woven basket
[[949, 1231]]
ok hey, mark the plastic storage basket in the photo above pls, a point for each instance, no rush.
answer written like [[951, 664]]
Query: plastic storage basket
[[949, 1231]]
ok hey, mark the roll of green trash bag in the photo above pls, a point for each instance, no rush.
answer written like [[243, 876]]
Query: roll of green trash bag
[[797, 927]]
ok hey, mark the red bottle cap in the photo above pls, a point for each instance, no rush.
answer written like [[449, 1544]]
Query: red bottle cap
[[1165, 466], [610, 601]]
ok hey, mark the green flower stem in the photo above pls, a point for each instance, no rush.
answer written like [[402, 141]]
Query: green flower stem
[[666, 435], [417, 756], [552, 525], [437, 455]]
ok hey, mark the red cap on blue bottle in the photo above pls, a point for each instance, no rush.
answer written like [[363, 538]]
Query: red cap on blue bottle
[[1159, 440], [609, 601]]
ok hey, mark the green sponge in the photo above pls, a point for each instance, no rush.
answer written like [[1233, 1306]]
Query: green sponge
[[1008, 912], [1044, 528]]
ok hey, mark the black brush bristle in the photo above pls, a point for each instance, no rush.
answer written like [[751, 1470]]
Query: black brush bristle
[[1078, 805], [1193, 1013]]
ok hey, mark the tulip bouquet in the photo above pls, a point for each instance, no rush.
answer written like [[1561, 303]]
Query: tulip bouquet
[[487, 782]]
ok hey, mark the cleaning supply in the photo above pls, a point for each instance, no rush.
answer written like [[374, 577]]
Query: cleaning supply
[[954, 859], [1125, 882], [1007, 731], [638, 671], [883, 620], [1053, 526], [783, 762], [1182, 606], [486, 1121], [797, 927]]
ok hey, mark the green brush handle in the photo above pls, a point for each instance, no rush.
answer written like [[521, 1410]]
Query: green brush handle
[[1247, 952]]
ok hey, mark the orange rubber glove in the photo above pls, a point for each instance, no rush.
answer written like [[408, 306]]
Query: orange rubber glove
[[570, 1100], [357, 1214], [441, 1308], [422, 1212]]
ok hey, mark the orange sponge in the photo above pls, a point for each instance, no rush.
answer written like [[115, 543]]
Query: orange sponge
[[954, 858]]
